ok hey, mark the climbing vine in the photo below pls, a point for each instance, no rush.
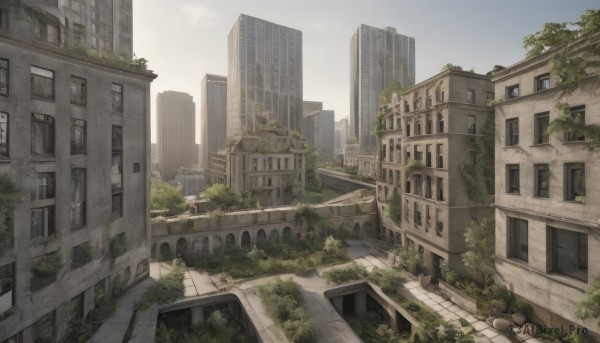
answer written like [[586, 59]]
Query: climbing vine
[[395, 206], [412, 166], [481, 169], [572, 63]]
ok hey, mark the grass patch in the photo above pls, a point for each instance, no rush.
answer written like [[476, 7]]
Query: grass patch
[[371, 328], [282, 300], [167, 288], [354, 271]]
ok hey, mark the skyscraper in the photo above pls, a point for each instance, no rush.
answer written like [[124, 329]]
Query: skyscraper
[[176, 142], [319, 132], [75, 141], [265, 74], [377, 57], [213, 115]]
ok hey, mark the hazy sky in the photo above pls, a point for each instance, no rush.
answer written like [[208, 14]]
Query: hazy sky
[[186, 39]]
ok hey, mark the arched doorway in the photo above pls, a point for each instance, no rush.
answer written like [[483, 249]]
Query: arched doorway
[[287, 233], [261, 238], [181, 249], [165, 252], [274, 236], [229, 240], [356, 232], [246, 240]]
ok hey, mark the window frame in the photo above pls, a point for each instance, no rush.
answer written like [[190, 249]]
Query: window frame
[[540, 78], [5, 151], [82, 88], [471, 124], [569, 192], [511, 89], [6, 72], [541, 137], [74, 149], [537, 168], [418, 214], [510, 182], [512, 139], [575, 136], [35, 74], [117, 151], [82, 203], [439, 189], [49, 230], [47, 120], [428, 155], [48, 184], [440, 156], [553, 265], [440, 123], [120, 93], [515, 224], [470, 96]]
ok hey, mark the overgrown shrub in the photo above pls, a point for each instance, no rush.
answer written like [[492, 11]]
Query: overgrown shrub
[[118, 245], [167, 288], [354, 271], [387, 279], [48, 265]]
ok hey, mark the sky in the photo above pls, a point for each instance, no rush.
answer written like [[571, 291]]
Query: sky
[[186, 39]]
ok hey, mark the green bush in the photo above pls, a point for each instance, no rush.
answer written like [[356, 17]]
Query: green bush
[[167, 288], [118, 245], [387, 279], [354, 271], [49, 265], [523, 306]]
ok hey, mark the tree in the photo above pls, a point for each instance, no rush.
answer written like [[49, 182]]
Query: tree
[[167, 197], [10, 197], [385, 96], [575, 51], [395, 206], [589, 306], [313, 180], [479, 258], [222, 195]]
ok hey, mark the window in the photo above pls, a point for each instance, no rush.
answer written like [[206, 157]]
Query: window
[[137, 167], [418, 184], [428, 125], [407, 186], [471, 127], [78, 197], [418, 126], [542, 180], [512, 178], [512, 92], [569, 251], [42, 186], [440, 156], [407, 130], [440, 189], [45, 31], [80, 255], [117, 172], [42, 83], [418, 152], [42, 222], [518, 238], [117, 98], [575, 182], [78, 133], [427, 217], [428, 155], [407, 154], [3, 75], [440, 119], [42, 135], [439, 223], [3, 134], [406, 210], [512, 131], [542, 120], [428, 193], [418, 214], [406, 106], [471, 96], [7, 275], [578, 116], [78, 90], [542, 82]]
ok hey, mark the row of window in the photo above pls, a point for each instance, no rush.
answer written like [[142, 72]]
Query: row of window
[[422, 217], [541, 82], [418, 154], [427, 193], [574, 181], [43, 87], [440, 98], [541, 123], [274, 163], [567, 250]]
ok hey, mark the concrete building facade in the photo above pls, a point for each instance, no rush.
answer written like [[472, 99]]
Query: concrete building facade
[[308, 107], [319, 132], [429, 126], [341, 126], [176, 132], [81, 163], [269, 165], [191, 181], [547, 194], [264, 74], [213, 116], [377, 57]]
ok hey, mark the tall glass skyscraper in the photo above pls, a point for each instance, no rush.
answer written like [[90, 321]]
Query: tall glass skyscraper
[[377, 57], [264, 75]]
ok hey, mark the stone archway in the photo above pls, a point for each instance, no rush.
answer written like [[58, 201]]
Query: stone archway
[[274, 236], [165, 252], [181, 249], [246, 243], [356, 232], [287, 233], [261, 238], [229, 240]]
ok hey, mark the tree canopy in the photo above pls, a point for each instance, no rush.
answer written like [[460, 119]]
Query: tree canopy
[[395, 206], [167, 197], [313, 180], [222, 195], [570, 66], [385, 96]]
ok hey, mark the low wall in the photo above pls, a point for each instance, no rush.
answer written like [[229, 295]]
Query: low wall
[[458, 297]]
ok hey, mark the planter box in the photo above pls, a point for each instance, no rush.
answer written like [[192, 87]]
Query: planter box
[[458, 297], [425, 280]]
